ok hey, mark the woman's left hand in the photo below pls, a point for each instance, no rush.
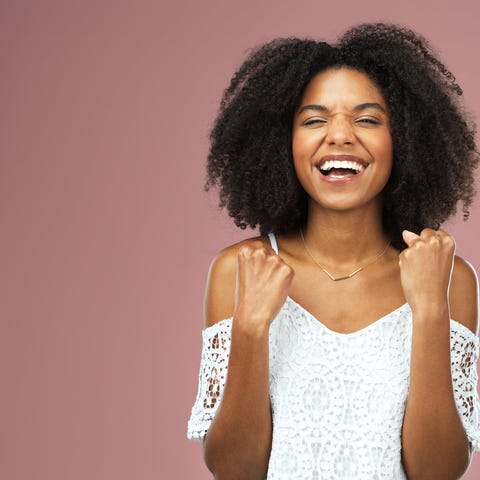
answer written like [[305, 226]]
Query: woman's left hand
[[426, 268]]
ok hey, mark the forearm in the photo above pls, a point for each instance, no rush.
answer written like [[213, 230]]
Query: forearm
[[237, 445], [434, 443]]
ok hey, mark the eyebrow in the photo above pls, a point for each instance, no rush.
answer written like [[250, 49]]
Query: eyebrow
[[357, 108]]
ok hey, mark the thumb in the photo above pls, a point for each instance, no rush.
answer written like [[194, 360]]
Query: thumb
[[409, 236]]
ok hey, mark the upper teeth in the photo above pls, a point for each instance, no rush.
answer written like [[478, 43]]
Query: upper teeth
[[341, 164]]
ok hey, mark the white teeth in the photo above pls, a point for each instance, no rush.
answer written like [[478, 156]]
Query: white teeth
[[341, 164]]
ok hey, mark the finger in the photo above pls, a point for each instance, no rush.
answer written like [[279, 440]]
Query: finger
[[264, 247], [429, 234], [446, 239], [436, 237], [443, 234], [409, 237]]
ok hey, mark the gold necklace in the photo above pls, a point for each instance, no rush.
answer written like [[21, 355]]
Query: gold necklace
[[344, 277]]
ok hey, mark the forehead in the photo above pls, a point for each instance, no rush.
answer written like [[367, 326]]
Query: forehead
[[342, 87]]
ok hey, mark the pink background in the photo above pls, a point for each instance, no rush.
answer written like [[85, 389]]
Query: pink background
[[106, 234]]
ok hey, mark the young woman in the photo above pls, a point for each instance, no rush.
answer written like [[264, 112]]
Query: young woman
[[349, 328]]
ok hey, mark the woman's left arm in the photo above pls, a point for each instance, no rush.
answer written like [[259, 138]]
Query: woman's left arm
[[434, 441]]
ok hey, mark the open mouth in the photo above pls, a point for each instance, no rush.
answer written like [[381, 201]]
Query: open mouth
[[340, 168]]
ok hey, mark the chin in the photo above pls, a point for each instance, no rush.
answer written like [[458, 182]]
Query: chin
[[346, 204]]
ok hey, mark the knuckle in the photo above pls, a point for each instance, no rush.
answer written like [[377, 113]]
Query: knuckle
[[448, 240], [289, 273], [243, 251], [273, 257], [288, 269], [254, 249], [260, 251], [427, 232]]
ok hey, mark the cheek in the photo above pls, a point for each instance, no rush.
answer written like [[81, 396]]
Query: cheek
[[389, 157], [297, 146], [299, 168], [298, 153], [304, 145], [300, 164], [301, 160], [384, 151], [385, 158]]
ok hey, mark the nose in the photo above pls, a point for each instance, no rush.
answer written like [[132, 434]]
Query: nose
[[339, 131]]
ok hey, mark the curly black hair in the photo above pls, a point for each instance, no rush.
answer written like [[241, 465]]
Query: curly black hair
[[434, 151]]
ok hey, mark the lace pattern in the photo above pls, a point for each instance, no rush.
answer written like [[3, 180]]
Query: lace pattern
[[464, 355], [337, 399], [212, 377]]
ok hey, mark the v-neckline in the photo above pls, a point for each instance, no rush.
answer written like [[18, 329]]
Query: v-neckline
[[320, 324]]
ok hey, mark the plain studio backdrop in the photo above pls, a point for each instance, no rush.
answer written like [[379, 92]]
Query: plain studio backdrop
[[105, 232]]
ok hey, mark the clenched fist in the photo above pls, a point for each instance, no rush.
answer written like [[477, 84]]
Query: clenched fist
[[426, 268], [263, 280]]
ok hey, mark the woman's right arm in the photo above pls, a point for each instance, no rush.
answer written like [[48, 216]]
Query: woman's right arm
[[249, 282]]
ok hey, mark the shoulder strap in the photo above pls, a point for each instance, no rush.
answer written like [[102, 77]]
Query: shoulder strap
[[273, 242]]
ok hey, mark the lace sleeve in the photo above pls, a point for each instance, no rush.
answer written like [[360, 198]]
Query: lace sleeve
[[211, 379], [464, 354]]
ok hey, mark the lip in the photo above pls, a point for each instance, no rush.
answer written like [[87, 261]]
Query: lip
[[341, 180]]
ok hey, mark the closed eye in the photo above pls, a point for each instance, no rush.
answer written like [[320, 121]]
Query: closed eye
[[314, 121], [371, 121]]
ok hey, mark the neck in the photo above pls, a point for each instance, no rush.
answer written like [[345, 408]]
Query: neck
[[345, 238]]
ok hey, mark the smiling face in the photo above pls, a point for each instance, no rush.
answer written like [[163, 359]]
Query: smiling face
[[341, 140]]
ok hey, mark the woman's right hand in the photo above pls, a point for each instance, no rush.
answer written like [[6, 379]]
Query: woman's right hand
[[262, 284], [251, 282]]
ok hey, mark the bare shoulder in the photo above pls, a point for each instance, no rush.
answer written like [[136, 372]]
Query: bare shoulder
[[219, 298], [464, 294]]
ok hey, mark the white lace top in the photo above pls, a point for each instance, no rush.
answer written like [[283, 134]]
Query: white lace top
[[337, 399]]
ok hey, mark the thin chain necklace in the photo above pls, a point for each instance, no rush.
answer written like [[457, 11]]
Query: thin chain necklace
[[343, 277]]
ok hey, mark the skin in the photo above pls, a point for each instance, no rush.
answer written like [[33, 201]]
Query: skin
[[344, 230]]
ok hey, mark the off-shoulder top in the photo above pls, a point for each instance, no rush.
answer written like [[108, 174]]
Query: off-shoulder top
[[337, 399]]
